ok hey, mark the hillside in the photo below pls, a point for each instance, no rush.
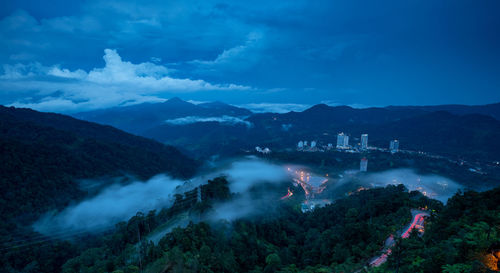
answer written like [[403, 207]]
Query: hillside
[[139, 118], [469, 136], [43, 154], [492, 110], [453, 130], [341, 237]]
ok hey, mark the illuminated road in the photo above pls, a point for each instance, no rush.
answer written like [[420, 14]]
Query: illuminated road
[[290, 193], [416, 223], [311, 183]]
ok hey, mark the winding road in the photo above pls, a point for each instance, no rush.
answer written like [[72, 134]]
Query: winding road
[[416, 223]]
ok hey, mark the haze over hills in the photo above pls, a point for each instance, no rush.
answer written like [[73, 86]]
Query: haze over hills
[[138, 118], [453, 130], [44, 154]]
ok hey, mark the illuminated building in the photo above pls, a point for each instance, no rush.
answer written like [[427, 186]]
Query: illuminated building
[[364, 141], [394, 146], [342, 141], [300, 145]]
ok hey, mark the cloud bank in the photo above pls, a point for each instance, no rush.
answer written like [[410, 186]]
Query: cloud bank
[[120, 202], [113, 204], [246, 173], [229, 120], [433, 186], [258, 186], [117, 83]]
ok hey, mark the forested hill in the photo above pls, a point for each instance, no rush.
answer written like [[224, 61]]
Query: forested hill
[[463, 236], [42, 155]]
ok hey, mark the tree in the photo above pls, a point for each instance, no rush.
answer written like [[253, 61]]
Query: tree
[[273, 262]]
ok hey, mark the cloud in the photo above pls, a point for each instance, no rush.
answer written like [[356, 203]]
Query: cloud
[[353, 105], [433, 186], [118, 82], [258, 187], [197, 101], [344, 47], [114, 204], [223, 119], [239, 57], [244, 174], [275, 107], [22, 71], [120, 202], [245, 205], [65, 73]]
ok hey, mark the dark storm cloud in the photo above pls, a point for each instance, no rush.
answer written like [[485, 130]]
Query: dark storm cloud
[[303, 52]]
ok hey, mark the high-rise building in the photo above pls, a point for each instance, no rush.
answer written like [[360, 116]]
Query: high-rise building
[[342, 141], [364, 141], [363, 165], [394, 146], [300, 145]]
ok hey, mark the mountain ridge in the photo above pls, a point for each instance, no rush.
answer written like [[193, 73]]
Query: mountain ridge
[[141, 117], [44, 154]]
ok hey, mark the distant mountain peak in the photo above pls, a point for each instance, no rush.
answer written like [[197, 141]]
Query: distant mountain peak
[[176, 100], [318, 107]]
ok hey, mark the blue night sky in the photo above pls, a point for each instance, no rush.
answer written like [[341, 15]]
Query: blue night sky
[[86, 55]]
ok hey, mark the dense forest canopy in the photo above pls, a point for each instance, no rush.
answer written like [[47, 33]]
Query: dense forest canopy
[[342, 237], [43, 156]]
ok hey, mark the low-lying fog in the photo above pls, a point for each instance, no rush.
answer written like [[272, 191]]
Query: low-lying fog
[[120, 202], [433, 186]]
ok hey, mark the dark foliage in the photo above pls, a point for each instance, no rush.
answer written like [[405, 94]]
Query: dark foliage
[[342, 235], [43, 155], [463, 237]]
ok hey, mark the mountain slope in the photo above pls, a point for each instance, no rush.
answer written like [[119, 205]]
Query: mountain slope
[[226, 109], [139, 118], [471, 136], [492, 110], [43, 154]]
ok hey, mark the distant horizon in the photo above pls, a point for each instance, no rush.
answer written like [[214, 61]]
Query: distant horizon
[[263, 107], [94, 55]]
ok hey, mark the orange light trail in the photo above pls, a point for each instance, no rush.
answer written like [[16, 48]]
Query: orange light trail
[[290, 193]]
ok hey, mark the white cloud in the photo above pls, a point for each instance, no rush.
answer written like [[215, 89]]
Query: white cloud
[[353, 105], [118, 202], [275, 107], [223, 119], [116, 83], [244, 174], [115, 203], [20, 71], [433, 186], [65, 73], [238, 57], [197, 101]]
